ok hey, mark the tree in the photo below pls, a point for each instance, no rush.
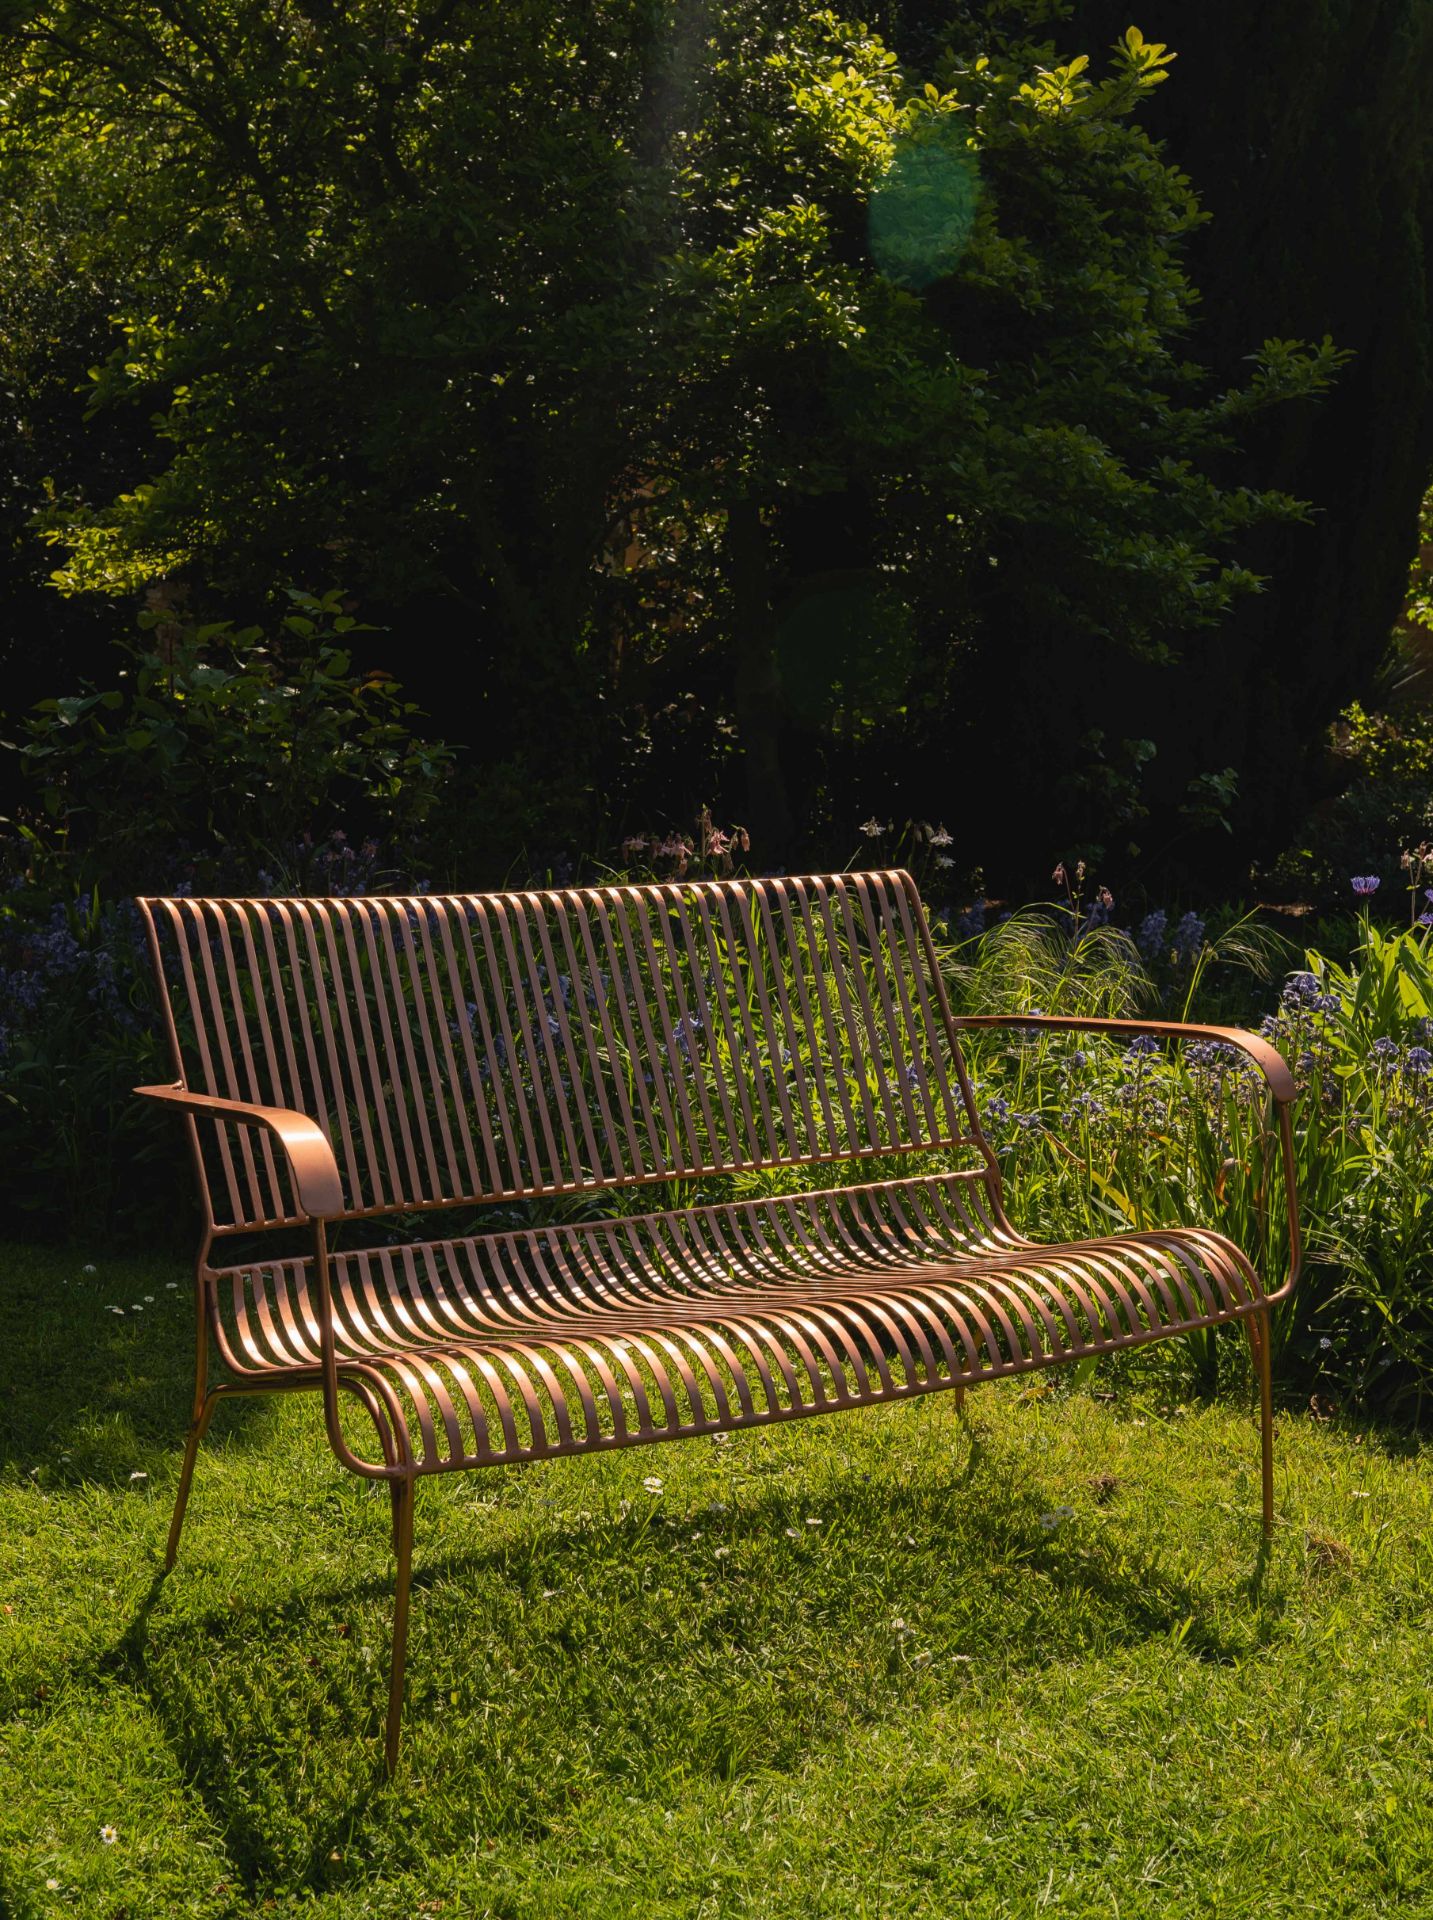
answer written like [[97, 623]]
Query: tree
[[1309, 128], [712, 405]]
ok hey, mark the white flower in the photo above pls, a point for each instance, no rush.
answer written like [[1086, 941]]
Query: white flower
[[1358, 1494], [812, 1522], [940, 838], [137, 1476], [721, 1553], [652, 1483], [150, 1298], [109, 1835], [898, 1625], [1049, 1521], [135, 1307], [171, 1286], [88, 1268], [793, 1533], [118, 1310], [919, 1659], [52, 1885], [872, 828], [1324, 1344]]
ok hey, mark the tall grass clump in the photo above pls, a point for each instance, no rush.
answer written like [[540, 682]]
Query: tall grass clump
[[1096, 1136]]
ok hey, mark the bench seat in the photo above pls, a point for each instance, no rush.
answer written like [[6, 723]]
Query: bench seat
[[504, 1347]]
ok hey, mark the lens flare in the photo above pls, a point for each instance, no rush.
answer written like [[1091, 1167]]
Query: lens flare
[[922, 213]]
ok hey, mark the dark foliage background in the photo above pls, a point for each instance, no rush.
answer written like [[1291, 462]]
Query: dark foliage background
[[733, 407]]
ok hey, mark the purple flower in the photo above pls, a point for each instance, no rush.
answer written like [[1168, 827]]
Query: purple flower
[[1365, 884], [1300, 989], [972, 921], [1213, 1053], [1150, 938], [1146, 1043], [1417, 1060], [1189, 934]]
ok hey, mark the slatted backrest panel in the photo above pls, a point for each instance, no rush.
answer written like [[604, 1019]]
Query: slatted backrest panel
[[477, 1047]]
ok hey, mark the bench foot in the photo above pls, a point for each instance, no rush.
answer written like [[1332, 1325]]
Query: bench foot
[[403, 1553]]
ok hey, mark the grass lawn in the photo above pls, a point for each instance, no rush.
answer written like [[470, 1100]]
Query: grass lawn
[[836, 1669]]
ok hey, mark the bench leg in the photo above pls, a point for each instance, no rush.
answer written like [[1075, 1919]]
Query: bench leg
[[1261, 1343], [403, 1552], [198, 1427]]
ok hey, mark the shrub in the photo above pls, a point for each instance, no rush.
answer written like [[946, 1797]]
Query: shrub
[[223, 752], [1096, 1136], [217, 764]]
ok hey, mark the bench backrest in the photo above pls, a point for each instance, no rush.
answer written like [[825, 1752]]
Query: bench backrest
[[465, 1048]]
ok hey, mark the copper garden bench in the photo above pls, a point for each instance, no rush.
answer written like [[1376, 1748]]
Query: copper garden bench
[[347, 1060]]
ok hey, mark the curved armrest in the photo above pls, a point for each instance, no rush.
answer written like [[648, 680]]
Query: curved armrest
[[310, 1157], [1267, 1058]]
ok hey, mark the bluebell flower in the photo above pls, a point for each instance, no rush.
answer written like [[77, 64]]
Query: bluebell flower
[[1189, 934], [1300, 989], [972, 921], [1417, 1060], [1086, 1104], [1146, 1043], [1212, 1053], [1150, 938]]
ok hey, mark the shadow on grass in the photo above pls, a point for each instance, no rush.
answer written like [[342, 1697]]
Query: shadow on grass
[[277, 1725]]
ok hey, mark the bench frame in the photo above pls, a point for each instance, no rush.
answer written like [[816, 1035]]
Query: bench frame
[[317, 1187]]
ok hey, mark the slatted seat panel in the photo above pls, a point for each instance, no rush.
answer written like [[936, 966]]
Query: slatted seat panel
[[566, 1339], [478, 1047]]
